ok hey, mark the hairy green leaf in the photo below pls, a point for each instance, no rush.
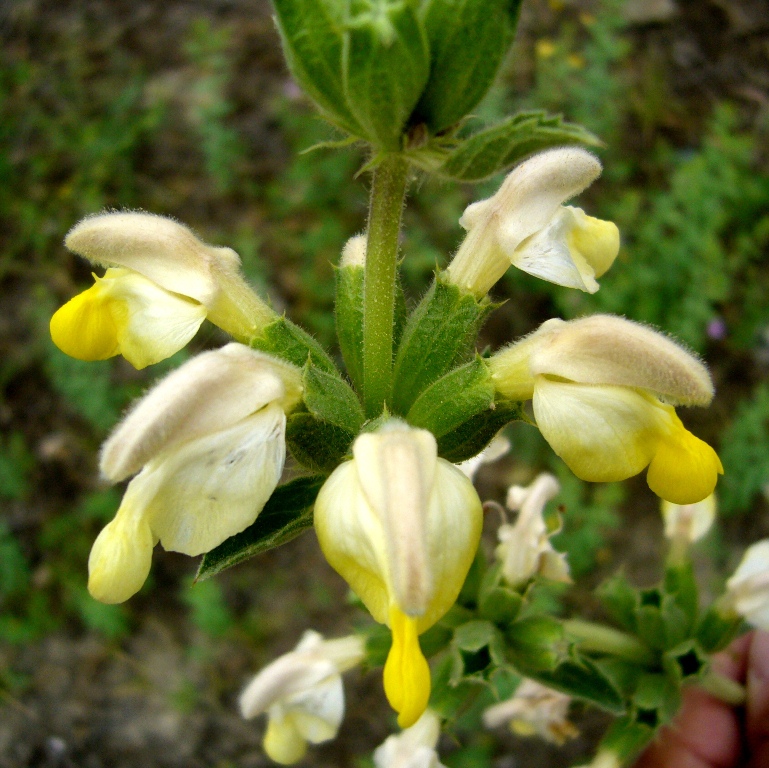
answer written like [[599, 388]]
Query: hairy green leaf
[[286, 514], [495, 149]]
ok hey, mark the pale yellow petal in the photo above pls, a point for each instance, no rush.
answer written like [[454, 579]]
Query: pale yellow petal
[[151, 323], [453, 523], [352, 539], [595, 240], [318, 712], [282, 742], [603, 433], [212, 488], [121, 556], [549, 255]]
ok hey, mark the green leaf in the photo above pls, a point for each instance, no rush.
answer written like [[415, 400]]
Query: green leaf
[[626, 739], [581, 679], [496, 601], [470, 438], [286, 514], [330, 398], [477, 649], [536, 643], [316, 444], [657, 699], [468, 41], [621, 600], [439, 335], [386, 66], [288, 341], [681, 585], [448, 699], [685, 662], [716, 630], [312, 33], [349, 320], [495, 149], [453, 399]]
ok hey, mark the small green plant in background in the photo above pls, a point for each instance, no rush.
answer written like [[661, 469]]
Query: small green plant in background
[[745, 453]]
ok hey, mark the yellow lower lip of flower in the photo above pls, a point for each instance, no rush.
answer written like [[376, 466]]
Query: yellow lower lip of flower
[[283, 743], [406, 672], [684, 469], [84, 327]]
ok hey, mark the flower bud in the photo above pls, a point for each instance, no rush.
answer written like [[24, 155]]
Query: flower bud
[[161, 283], [412, 748], [208, 444], [526, 225], [302, 694], [525, 549], [689, 522], [534, 710], [600, 388], [401, 526], [747, 591]]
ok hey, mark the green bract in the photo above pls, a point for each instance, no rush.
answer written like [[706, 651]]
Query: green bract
[[468, 42]]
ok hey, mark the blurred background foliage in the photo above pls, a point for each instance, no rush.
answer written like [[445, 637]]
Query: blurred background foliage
[[184, 108]]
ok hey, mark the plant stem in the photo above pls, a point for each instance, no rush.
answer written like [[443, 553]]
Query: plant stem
[[388, 191], [724, 688], [601, 639]]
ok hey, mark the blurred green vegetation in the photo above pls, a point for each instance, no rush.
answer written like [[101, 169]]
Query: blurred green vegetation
[[83, 130]]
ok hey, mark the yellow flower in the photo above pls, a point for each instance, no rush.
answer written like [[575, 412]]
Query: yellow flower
[[602, 390], [401, 526], [525, 224], [208, 444], [161, 283], [302, 694]]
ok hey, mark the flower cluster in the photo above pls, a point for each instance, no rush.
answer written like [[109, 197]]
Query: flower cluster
[[397, 515]]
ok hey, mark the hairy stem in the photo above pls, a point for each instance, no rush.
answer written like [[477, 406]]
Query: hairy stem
[[387, 194]]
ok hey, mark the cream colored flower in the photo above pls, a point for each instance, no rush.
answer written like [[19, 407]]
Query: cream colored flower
[[603, 390], [526, 224], [302, 694], [534, 710], [689, 522], [495, 450], [208, 444], [747, 591], [412, 748], [525, 549], [401, 526], [161, 283]]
